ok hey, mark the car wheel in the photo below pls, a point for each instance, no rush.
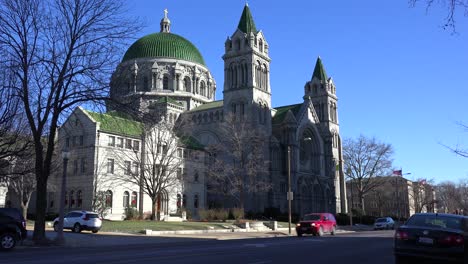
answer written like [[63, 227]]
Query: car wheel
[[77, 228], [56, 227], [333, 232], [94, 231], [320, 232], [7, 241]]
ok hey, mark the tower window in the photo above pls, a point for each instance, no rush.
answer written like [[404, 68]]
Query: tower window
[[260, 45], [165, 83]]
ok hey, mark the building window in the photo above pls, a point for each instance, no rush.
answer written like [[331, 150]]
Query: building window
[[81, 140], [195, 201], [72, 199], [125, 199], [179, 202], [135, 168], [165, 83], [108, 199], [184, 201], [136, 145], [127, 167], [134, 199], [110, 166], [67, 142], [75, 167], [79, 199], [120, 142], [111, 142], [195, 177], [83, 166], [128, 143], [179, 153], [179, 173]]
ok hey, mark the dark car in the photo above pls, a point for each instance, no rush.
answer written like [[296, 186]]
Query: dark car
[[316, 224], [12, 228], [432, 236]]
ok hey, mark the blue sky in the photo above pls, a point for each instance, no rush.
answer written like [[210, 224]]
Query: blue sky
[[400, 76]]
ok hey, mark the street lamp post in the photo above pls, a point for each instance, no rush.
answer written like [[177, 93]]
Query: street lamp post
[[60, 238]]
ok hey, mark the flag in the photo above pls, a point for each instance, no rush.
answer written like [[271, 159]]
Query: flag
[[397, 173]]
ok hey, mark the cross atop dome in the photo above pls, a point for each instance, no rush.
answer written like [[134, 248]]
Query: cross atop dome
[[165, 23]]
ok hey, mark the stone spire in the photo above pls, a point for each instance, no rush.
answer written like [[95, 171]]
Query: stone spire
[[246, 23], [319, 71], [165, 23]]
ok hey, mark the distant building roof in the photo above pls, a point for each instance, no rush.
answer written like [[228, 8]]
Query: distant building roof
[[114, 122], [207, 106], [283, 110]]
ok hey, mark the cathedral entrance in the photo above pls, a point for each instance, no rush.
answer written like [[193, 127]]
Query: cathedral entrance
[[162, 205]]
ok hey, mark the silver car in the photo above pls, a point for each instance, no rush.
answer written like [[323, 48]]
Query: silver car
[[384, 223], [80, 220]]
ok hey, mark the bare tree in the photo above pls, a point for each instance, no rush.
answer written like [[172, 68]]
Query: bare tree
[[61, 54], [238, 165], [453, 7], [158, 166], [458, 149], [365, 159], [448, 197]]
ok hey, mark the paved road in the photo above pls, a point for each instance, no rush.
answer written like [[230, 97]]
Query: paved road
[[360, 247]]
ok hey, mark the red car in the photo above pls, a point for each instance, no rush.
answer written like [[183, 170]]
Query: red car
[[316, 224]]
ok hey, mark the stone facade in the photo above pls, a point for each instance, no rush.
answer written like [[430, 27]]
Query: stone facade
[[394, 196], [178, 86]]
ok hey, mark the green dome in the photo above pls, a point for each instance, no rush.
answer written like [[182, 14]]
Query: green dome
[[165, 45]]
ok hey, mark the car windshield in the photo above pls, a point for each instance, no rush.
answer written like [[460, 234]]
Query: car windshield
[[311, 217], [435, 221], [381, 220], [92, 216]]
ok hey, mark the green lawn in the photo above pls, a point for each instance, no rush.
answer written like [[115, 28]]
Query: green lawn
[[138, 226]]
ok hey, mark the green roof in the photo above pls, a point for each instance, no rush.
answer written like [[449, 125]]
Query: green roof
[[319, 71], [246, 23], [168, 99], [166, 45], [283, 110], [115, 124], [210, 105], [192, 143]]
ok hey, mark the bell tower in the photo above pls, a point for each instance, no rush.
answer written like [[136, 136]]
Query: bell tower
[[247, 92]]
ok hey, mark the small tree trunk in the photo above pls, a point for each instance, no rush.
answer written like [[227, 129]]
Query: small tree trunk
[[24, 209], [153, 209]]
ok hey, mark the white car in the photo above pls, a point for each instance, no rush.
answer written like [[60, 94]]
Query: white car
[[80, 220], [384, 223]]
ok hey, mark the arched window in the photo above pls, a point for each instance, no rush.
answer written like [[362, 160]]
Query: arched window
[[134, 199], [195, 201], [260, 45], [165, 82], [108, 199], [187, 86], [126, 197], [202, 88], [72, 199], [179, 202], [184, 201], [79, 199]]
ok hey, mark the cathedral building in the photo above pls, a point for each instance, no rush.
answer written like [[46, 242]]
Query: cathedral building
[[165, 74]]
